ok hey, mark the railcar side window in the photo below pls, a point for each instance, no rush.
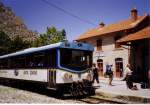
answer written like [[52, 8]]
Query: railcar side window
[[43, 59], [0, 64], [29, 61], [11, 63], [14, 63], [20, 62], [39, 60], [52, 58], [4, 64]]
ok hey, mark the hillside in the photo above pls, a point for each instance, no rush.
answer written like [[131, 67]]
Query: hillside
[[13, 25]]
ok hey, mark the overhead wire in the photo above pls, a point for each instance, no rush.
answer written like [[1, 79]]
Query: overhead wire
[[68, 13]]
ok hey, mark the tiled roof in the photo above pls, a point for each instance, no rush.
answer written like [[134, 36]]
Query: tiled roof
[[142, 34], [122, 25]]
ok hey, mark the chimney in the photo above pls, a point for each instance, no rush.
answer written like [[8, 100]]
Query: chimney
[[134, 14], [101, 25]]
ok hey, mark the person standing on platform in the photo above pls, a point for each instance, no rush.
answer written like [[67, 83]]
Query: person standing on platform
[[95, 73], [129, 78]]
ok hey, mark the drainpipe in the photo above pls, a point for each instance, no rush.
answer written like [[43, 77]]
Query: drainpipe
[[129, 54]]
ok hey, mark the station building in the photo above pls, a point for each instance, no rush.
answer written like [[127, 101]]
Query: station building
[[106, 48], [139, 58]]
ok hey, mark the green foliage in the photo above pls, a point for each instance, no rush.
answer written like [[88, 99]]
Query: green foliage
[[4, 39], [51, 36], [18, 44], [7, 45]]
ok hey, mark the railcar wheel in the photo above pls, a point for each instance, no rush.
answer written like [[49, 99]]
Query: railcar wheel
[[88, 87], [73, 90], [59, 93]]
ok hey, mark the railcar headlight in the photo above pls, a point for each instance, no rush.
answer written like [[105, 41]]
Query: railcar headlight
[[70, 76], [67, 76]]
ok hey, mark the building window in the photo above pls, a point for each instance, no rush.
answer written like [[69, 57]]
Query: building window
[[99, 45], [119, 67], [117, 45]]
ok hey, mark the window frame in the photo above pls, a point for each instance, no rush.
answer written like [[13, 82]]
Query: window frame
[[100, 61], [118, 62], [99, 45], [75, 68]]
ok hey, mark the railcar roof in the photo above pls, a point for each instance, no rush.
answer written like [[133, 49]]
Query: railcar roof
[[72, 45]]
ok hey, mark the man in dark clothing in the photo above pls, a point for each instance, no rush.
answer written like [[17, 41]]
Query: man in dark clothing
[[95, 73]]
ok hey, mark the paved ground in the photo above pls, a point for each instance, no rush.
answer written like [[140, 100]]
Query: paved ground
[[119, 89]]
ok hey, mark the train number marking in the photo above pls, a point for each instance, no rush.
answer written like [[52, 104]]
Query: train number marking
[[33, 72], [25, 72], [30, 72]]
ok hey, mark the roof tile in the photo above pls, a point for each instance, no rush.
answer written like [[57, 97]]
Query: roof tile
[[122, 25], [142, 34]]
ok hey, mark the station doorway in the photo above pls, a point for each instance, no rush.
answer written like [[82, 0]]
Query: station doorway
[[100, 67], [119, 67]]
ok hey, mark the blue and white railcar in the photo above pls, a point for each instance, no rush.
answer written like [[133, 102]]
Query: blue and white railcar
[[59, 66]]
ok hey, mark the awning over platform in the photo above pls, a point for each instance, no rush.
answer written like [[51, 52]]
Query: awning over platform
[[142, 34]]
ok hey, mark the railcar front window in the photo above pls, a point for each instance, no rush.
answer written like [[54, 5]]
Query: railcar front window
[[75, 59]]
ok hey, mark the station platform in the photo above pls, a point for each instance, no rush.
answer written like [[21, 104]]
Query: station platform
[[119, 92]]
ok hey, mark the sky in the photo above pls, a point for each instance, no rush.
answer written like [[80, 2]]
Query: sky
[[38, 14]]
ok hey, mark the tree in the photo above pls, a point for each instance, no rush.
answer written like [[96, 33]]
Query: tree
[[64, 33], [5, 43], [8, 45], [18, 44], [51, 36]]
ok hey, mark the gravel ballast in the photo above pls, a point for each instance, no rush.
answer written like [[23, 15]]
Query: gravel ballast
[[14, 95]]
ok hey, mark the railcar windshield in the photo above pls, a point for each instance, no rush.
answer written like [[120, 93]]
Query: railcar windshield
[[75, 59]]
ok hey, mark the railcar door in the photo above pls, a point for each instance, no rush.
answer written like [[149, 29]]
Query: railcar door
[[51, 78]]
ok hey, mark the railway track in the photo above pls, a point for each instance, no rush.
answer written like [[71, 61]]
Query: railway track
[[95, 100]]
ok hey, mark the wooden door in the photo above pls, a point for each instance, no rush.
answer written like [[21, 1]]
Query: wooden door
[[100, 66], [119, 67]]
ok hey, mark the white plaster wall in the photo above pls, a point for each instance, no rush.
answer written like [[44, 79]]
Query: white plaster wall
[[107, 43], [109, 53]]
